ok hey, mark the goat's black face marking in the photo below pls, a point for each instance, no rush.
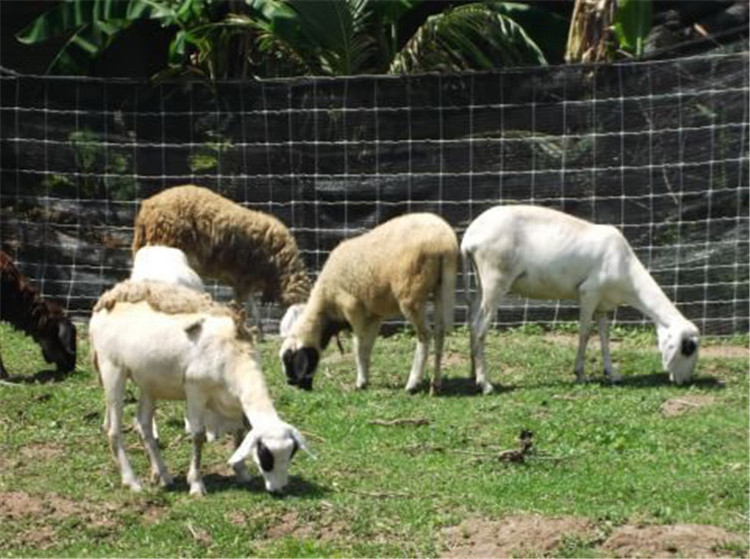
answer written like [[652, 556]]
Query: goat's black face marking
[[688, 346], [288, 360], [265, 457], [300, 366]]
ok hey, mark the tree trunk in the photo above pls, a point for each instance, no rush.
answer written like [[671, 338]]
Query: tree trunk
[[591, 38]]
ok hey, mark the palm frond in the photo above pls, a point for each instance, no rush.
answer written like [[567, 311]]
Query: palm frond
[[469, 37]]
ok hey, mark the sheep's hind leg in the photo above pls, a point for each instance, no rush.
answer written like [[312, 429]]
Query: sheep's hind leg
[[114, 391], [495, 286], [416, 315], [437, 379], [365, 335], [609, 371], [145, 424]]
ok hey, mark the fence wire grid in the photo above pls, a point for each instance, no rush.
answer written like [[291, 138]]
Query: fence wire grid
[[659, 149]]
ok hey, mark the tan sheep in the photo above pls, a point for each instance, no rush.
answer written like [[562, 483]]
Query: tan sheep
[[389, 271], [250, 250]]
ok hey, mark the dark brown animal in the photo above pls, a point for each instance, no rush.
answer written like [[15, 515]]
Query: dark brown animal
[[24, 308]]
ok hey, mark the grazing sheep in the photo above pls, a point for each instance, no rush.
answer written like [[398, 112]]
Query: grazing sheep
[[250, 250], [25, 309], [392, 270], [176, 344], [546, 254], [167, 264]]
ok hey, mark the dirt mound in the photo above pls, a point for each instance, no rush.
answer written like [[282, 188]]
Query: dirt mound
[[678, 540], [291, 525], [684, 404], [524, 535]]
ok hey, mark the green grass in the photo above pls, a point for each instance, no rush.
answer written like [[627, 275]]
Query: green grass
[[605, 453]]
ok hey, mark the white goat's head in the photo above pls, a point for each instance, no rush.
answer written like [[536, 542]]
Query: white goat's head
[[679, 346], [272, 447]]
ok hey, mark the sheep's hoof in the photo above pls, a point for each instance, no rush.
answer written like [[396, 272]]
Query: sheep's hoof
[[486, 388], [582, 379], [434, 389], [413, 389], [134, 486], [162, 480], [197, 489], [613, 377]]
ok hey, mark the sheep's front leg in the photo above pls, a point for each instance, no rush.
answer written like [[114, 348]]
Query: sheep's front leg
[[145, 424], [609, 372], [365, 335], [416, 315], [588, 302], [240, 468], [196, 406]]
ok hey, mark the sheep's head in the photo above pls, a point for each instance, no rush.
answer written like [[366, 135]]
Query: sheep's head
[[57, 338], [272, 447], [679, 350], [299, 362]]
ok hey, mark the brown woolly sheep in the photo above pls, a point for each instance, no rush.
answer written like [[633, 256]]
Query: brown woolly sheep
[[250, 250], [25, 309]]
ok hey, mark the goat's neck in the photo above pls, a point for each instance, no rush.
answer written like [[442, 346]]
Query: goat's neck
[[649, 298], [252, 390], [310, 326]]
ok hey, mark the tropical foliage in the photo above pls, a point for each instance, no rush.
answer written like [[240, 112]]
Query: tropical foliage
[[234, 38]]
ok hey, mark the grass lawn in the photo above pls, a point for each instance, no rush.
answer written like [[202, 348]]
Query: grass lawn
[[607, 461]]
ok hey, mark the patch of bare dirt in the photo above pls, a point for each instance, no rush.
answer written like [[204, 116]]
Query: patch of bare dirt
[[683, 404], [16, 505], [291, 525], [523, 535], [678, 540], [455, 359], [734, 351], [42, 452]]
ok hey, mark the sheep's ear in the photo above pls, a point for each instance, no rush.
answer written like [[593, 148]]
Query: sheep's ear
[[243, 451], [689, 345], [193, 330], [300, 440]]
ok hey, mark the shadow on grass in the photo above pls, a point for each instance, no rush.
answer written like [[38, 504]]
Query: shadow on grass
[[662, 379], [45, 376], [219, 483]]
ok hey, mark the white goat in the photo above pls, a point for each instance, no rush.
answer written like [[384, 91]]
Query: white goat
[[389, 271], [546, 254], [167, 264], [176, 344]]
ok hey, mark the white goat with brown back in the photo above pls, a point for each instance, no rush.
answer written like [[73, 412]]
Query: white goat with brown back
[[546, 254], [176, 344], [390, 271]]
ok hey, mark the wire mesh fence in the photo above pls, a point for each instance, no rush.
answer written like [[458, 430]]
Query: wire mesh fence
[[658, 149]]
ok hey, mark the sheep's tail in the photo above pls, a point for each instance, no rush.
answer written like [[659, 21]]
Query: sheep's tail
[[447, 292]]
